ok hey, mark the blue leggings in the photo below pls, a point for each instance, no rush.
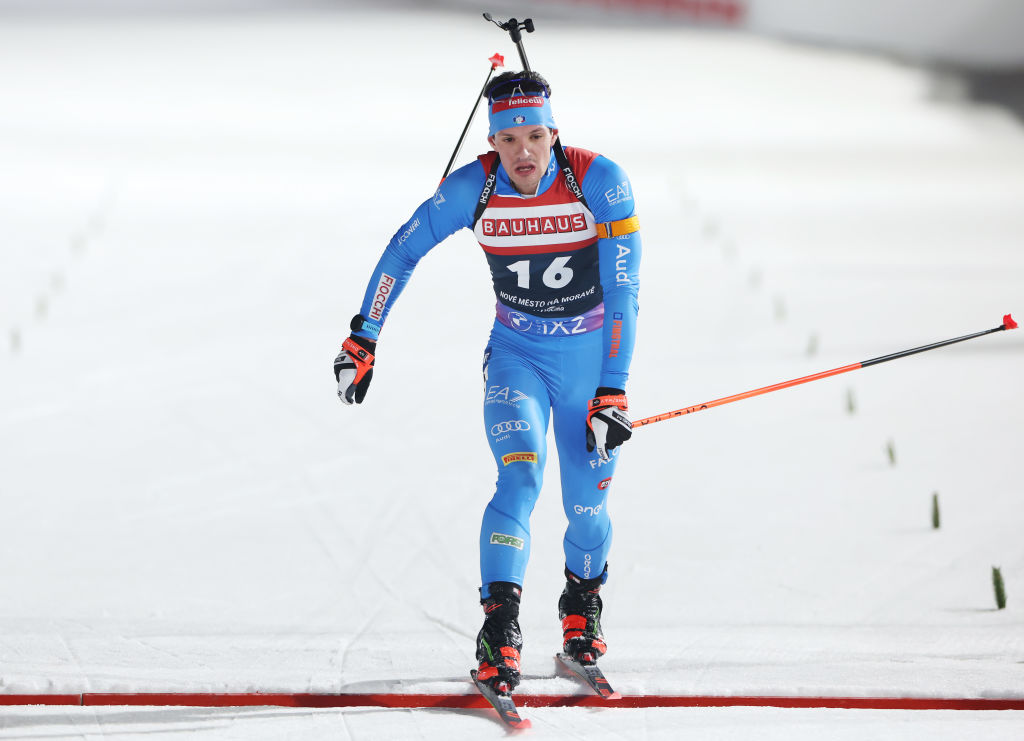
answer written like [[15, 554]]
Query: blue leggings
[[528, 378]]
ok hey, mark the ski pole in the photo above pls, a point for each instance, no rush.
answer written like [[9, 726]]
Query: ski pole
[[513, 27], [496, 61], [1008, 323]]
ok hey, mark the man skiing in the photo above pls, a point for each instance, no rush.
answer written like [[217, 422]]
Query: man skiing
[[559, 231]]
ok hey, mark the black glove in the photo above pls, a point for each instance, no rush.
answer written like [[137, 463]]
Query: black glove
[[608, 424], [353, 368]]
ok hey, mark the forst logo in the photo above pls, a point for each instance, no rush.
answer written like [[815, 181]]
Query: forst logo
[[509, 540]]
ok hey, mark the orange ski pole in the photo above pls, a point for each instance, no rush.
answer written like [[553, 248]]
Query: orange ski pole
[[1008, 323]]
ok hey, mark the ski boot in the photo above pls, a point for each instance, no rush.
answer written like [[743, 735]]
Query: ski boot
[[499, 641], [579, 608]]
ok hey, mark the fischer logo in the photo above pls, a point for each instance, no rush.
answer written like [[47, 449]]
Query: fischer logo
[[554, 224], [380, 297], [592, 511], [519, 458], [604, 483], [510, 540]]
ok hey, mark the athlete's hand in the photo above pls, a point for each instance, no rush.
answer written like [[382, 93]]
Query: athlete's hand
[[353, 368], [608, 424]]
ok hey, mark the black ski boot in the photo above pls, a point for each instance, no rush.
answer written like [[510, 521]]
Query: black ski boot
[[499, 641], [579, 607]]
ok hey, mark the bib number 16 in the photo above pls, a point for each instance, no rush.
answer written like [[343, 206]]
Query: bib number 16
[[557, 275]]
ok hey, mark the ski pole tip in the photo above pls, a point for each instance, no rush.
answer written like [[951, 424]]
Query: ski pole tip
[[1008, 322]]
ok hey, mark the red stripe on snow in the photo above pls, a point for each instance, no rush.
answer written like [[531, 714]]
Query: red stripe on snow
[[401, 700]]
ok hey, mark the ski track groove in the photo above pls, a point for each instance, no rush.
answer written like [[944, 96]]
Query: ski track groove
[[357, 637], [75, 658]]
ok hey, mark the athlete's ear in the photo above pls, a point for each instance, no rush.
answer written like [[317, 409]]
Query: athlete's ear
[[554, 134], [490, 140]]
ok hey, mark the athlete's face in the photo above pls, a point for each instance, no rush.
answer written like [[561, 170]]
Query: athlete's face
[[524, 152]]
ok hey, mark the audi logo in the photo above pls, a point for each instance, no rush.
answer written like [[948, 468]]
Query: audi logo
[[512, 425]]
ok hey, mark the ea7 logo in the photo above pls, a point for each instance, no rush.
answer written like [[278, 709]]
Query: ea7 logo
[[618, 194], [504, 395], [592, 511]]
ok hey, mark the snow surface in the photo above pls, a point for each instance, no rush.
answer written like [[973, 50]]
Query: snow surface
[[191, 207]]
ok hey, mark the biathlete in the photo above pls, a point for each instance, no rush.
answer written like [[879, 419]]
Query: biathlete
[[560, 234]]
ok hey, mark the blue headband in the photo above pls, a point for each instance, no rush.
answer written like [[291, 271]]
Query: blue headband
[[532, 109]]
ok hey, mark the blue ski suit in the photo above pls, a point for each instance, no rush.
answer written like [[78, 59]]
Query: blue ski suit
[[566, 279]]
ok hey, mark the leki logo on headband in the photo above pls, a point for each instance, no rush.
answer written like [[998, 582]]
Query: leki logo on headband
[[535, 101]]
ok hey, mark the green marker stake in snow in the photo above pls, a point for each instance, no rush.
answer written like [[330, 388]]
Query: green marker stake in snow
[[997, 584], [851, 402], [935, 511], [890, 450], [812, 344]]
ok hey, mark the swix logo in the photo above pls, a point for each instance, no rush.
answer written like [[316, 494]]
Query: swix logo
[[555, 224], [604, 483], [380, 296], [592, 511], [519, 458]]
